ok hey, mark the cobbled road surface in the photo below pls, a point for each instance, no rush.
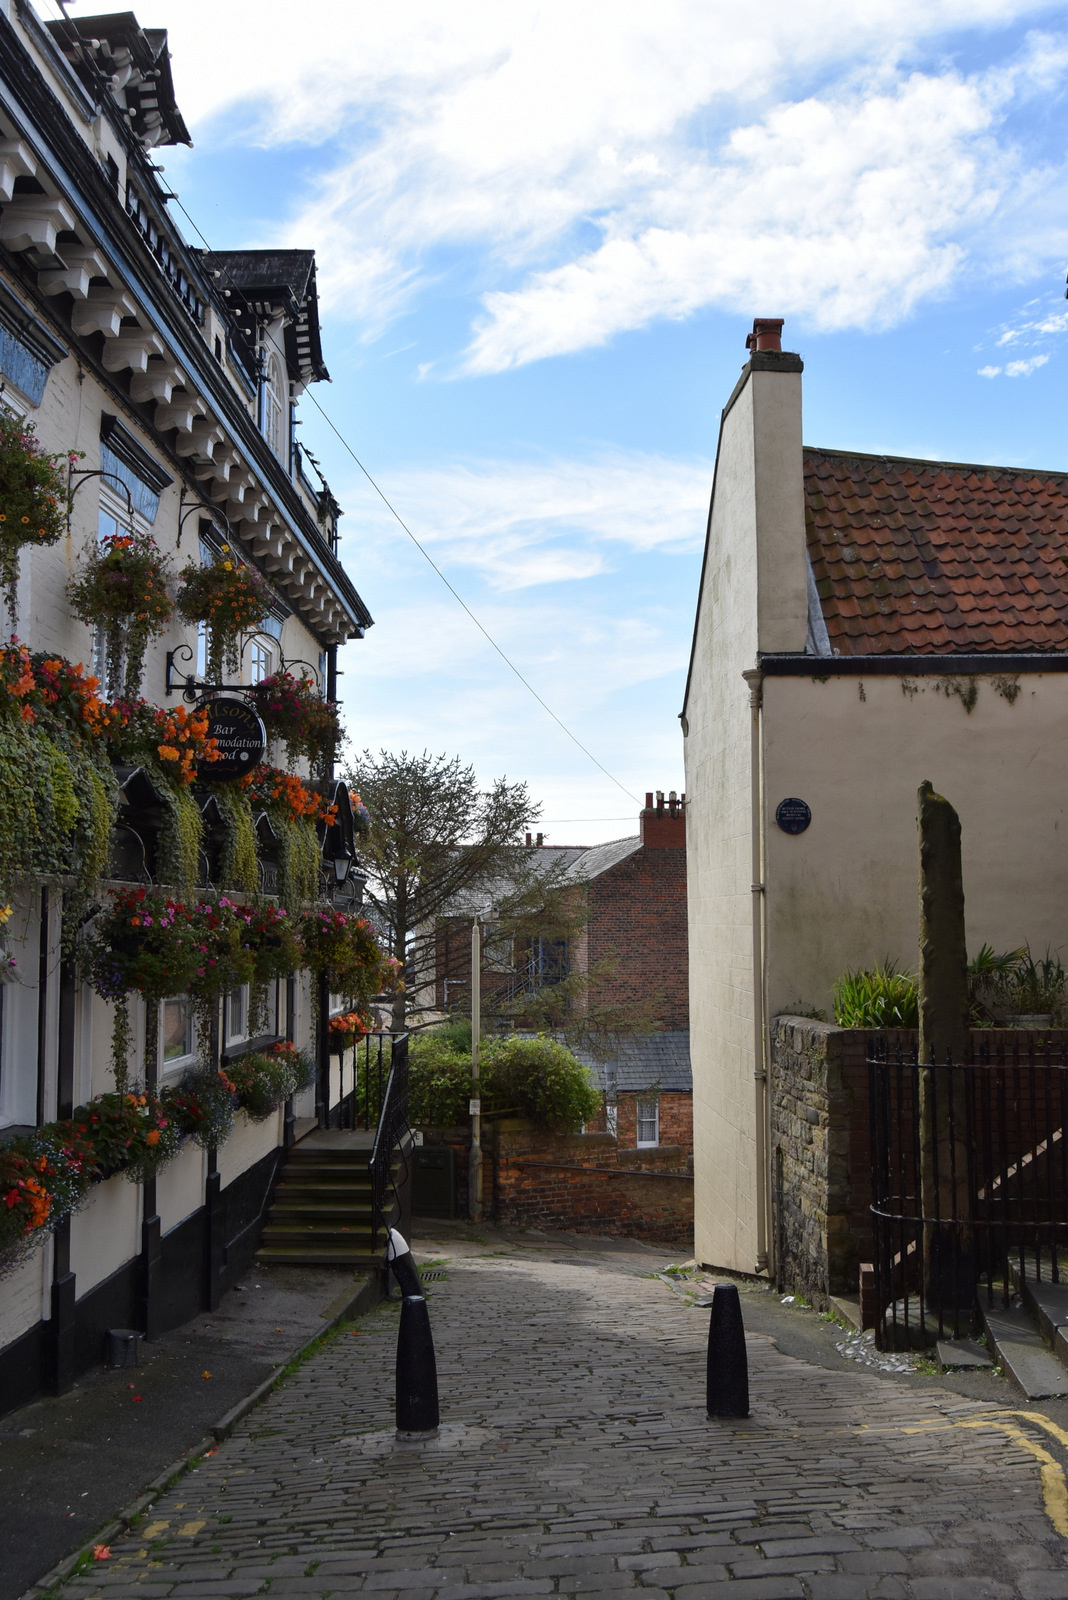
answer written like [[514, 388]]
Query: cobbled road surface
[[575, 1458]]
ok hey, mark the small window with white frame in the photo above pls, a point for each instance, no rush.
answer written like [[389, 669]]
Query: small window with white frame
[[177, 1047], [260, 659], [648, 1122], [274, 407]]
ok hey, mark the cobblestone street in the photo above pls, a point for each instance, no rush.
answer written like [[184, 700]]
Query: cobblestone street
[[575, 1458]]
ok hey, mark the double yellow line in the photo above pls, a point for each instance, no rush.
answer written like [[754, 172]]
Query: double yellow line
[[1051, 1473]]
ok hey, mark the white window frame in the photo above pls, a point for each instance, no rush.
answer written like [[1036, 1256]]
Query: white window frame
[[275, 407], [642, 1106], [181, 1063]]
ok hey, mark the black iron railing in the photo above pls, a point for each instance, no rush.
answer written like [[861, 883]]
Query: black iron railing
[[390, 1161], [969, 1185]]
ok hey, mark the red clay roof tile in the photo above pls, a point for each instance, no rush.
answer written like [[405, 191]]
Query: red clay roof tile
[[932, 557]]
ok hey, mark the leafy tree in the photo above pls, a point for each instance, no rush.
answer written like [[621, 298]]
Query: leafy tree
[[437, 839]]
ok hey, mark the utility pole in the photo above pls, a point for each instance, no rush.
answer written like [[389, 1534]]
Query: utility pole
[[474, 1181]]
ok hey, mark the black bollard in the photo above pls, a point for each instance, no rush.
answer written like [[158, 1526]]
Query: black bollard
[[727, 1389], [417, 1372]]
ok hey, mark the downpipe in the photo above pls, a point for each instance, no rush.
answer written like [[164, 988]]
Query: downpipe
[[762, 1102]]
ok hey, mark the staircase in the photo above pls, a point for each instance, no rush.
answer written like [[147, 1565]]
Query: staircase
[[322, 1213]]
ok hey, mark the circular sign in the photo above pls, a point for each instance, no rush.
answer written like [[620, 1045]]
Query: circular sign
[[240, 736], [793, 815]]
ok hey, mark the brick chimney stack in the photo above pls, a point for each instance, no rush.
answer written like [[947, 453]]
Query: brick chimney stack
[[663, 825]]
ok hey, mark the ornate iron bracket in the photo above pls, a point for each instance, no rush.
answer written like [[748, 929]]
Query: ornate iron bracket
[[192, 688]]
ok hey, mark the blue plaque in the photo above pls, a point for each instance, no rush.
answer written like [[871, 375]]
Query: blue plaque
[[793, 815]]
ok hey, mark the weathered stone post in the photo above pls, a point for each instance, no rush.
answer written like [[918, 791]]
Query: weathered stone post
[[945, 1187]]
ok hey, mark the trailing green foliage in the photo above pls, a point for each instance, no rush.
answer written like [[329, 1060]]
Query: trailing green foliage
[[876, 997], [180, 839], [240, 866], [263, 1079], [300, 860]]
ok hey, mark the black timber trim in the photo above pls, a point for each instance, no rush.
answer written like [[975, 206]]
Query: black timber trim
[[81, 180], [909, 666], [39, 341], [121, 442]]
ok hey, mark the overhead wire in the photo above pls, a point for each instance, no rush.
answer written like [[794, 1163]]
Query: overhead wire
[[509, 663]]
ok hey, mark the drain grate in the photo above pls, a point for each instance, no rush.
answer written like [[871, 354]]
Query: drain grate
[[431, 1277]]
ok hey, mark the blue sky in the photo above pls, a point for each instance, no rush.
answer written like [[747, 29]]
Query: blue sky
[[543, 230]]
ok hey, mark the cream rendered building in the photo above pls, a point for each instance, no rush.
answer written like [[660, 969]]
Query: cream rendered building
[[177, 373], [863, 623]]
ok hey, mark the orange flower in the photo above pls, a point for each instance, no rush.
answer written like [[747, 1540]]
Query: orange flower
[[152, 1136]]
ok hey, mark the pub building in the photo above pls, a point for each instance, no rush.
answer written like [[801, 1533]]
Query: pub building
[[163, 381]]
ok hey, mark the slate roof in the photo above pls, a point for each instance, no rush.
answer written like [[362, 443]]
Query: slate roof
[[935, 557], [599, 857], [657, 1061]]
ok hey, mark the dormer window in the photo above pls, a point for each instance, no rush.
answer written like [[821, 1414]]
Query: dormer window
[[274, 408]]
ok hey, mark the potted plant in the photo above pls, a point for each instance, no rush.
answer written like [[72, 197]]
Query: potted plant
[[230, 599], [123, 589], [34, 497]]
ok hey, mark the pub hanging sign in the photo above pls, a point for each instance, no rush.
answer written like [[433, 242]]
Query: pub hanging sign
[[240, 736]]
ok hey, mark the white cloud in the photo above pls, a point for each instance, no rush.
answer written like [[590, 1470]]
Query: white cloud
[[1015, 369], [1024, 369], [520, 524], [793, 156]]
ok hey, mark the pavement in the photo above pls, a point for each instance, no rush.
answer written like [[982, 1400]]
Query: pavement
[[575, 1458], [69, 1463]]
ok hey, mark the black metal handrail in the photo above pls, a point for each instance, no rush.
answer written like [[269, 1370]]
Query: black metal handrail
[[390, 1156], [969, 1165]]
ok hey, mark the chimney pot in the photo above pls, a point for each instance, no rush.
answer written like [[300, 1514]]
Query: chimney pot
[[766, 334], [649, 800], [529, 840], [541, 840]]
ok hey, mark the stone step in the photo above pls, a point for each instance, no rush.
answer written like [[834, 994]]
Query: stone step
[[1022, 1352], [1048, 1305], [342, 1216], [318, 1257], [320, 1234]]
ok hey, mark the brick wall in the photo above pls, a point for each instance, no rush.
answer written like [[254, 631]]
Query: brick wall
[[583, 1183], [637, 916]]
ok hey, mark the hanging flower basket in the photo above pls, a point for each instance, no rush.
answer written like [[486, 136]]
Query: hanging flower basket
[[343, 949], [263, 1080], [230, 599], [123, 588], [34, 497], [293, 710], [347, 1028], [361, 817]]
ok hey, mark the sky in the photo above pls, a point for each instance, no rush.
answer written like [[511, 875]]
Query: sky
[[543, 229]]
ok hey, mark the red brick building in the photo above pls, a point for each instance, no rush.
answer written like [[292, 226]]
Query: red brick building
[[634, 938]]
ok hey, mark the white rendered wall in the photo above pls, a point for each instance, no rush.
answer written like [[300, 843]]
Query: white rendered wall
[[104, 1234]]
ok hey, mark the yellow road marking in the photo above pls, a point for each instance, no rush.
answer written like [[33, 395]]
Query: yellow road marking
[[1051, 1473], [191, 1529], [154, 1530]]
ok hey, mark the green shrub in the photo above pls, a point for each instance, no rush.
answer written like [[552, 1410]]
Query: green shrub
[[439, 1081], [879, 997], [539, 1078]]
